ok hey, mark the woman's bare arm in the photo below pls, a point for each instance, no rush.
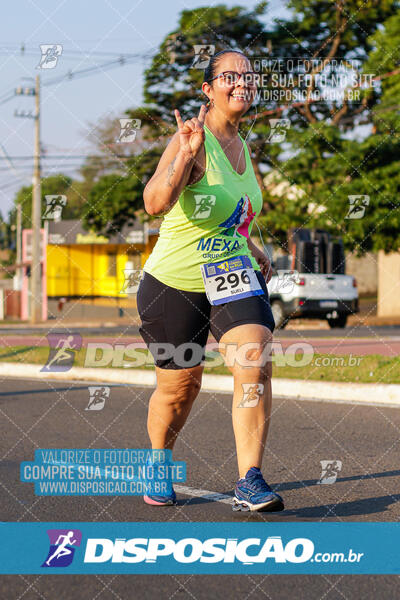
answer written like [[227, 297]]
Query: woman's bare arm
[[171, 176], [175, 166]]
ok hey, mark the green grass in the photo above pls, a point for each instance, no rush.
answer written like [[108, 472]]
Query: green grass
[[321, 367]]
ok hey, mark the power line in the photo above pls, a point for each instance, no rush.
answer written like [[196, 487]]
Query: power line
[[67, 156], [14, 182], [66, 53], [10, 97], [122, 61]]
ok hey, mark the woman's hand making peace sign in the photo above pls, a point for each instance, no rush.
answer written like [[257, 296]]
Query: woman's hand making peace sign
[[176, 164], [191, 132]]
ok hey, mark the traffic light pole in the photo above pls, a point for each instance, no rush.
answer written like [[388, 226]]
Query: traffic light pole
[[36, 269]]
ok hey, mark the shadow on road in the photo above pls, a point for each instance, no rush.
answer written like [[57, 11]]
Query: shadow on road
[[358, 507], [44, 390], [366, 506], [293, 485]]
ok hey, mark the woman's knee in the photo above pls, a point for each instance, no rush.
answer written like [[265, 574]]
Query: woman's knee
[[181, 385], [252, 374], [245, 354]]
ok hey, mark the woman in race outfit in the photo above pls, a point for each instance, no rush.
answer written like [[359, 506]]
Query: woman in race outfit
[[205, 274]]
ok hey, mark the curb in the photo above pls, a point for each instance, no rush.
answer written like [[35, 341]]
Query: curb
[[357, 393]]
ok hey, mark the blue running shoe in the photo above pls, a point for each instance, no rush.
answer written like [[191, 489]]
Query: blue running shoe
[[253, 493], [155, 500]]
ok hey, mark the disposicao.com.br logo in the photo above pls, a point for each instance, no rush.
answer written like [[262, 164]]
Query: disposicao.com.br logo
[[199, 547], [148, 548], [247, 551]]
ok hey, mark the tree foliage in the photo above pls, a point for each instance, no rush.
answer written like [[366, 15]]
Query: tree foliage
[[55, 184], [334, 148], [329, 156]]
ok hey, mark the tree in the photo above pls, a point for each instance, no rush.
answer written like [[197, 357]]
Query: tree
[[323, 156], [378, 173], [111, 203], [170, 82], [116, 183], [53, 185], [318, 154]]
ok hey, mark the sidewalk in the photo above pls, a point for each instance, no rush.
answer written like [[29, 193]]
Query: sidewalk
[[295, 389]]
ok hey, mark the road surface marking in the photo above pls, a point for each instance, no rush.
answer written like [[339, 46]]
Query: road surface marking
[[206, 494]]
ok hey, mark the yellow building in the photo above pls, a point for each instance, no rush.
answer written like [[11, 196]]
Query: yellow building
[[85, 265]]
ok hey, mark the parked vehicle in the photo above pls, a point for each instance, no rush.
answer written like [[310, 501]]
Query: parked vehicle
[[311, 281]]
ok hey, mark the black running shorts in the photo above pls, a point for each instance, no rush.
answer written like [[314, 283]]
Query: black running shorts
[[175, 324]]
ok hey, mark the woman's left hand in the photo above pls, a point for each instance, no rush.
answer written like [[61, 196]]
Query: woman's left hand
[[262, 260]]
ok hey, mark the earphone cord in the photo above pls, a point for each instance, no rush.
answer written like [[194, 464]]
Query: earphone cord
[[245, 140], [255, 221], [247, 135], [265, 249], [252, 125]]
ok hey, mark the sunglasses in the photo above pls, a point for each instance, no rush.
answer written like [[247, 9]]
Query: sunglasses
[[231, 77]]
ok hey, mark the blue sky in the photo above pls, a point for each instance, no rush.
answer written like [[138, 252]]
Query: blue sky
[[91, 27]]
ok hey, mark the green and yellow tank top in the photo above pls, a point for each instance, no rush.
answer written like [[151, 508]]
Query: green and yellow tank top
[[211, 221]]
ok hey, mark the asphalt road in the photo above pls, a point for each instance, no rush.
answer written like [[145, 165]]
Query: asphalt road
[[52, 414]]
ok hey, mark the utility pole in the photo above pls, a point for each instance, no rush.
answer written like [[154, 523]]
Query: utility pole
[[19, 244], [36, 269]]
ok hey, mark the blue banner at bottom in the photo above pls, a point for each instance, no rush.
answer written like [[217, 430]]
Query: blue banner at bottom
[[199, 548]]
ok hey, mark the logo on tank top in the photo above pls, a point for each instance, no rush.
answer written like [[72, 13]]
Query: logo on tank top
[[240, 219], [236, 228]]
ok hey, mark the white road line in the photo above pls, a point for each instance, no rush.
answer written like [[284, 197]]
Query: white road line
[[182, 489], [206, 494]]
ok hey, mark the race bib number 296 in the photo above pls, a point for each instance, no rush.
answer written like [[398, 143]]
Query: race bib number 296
[[231, 279]]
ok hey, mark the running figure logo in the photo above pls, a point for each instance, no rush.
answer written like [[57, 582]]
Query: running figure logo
[[285, 281], [63, 543], [357, 207], [50, 55], [279, 128], [54, 206], [98, 395], [240, 219], [204, 204], [252, 393], [128, 130], [330, 470], [62, 348], [202, 55], [131, 281]]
